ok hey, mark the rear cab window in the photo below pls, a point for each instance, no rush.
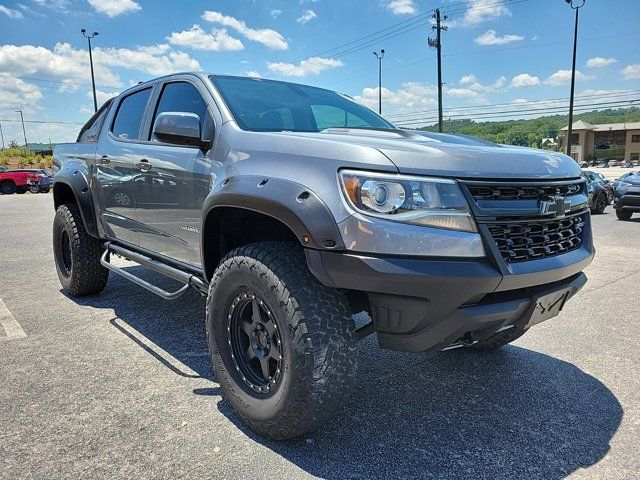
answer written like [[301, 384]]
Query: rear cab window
[[91, 130], [128, 119]]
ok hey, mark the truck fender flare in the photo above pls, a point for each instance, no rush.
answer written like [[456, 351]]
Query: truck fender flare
[[293, 204], [76, 181]]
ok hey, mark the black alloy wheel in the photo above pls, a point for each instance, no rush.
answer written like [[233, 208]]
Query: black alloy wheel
[[254, 340]]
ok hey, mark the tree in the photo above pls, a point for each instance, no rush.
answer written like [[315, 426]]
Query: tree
[[13, 144]]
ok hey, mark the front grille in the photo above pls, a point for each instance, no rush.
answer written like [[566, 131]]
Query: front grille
[[523, 192], [519, 241]]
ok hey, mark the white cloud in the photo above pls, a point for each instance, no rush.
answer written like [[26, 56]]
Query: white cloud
[[412, 95], [68, 86], [275, 13], [101, 96], [306, 16], [16, 93], [311, 66], [401, 7], [562, 77], [68, 64], [524, 80], [253, 73], [269, 38], [113, 8], [9, 12], [54, 4], [491, 38], [467, 80], [480, 11], [462, 92], [599, 62], [196, 38], [631, 72]]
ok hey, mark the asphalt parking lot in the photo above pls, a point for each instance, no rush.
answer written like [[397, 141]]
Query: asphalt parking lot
[[120, 386]]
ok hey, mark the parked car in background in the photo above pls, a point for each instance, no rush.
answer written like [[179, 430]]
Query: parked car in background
[[627, 196], [604, 182], [598, 198], [16, 181], [3, 169], [626, 165], [45, 180]]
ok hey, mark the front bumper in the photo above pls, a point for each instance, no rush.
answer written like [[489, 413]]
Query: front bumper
[[629, 202], [423, 304]]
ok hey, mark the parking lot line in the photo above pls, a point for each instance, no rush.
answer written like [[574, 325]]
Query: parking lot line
[[10, 325]]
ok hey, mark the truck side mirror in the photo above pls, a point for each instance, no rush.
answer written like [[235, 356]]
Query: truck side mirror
[[178, 128]]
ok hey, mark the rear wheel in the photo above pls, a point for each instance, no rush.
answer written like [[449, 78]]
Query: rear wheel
[[77, 254], [8, 188], [282, 344], [34, 188], [624, 214]]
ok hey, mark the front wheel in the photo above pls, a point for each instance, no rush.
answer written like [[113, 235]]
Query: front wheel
[[282, 344], [34, 188], [77, 254], [624, 214]]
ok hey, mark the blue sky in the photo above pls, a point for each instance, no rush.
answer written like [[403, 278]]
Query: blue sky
[[495, 52]]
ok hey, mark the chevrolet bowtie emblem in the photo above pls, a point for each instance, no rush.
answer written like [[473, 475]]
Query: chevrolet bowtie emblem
[[555, 205]]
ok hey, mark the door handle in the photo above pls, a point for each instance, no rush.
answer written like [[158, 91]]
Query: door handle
[[144, 165], [104, 160]]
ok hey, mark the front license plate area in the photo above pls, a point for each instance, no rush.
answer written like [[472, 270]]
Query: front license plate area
[[547, 306]]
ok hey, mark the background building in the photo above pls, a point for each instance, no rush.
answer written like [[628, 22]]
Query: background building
[[611, 141]]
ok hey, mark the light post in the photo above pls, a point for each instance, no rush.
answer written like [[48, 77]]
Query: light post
[[379, 56], [577, 8], [24, 132], [93, 81], [2, 136]]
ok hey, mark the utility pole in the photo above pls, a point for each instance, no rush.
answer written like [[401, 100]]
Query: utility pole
[[437, 44], [24, 132], [2, 136], [379, 56], [573, 73], [93, 80]]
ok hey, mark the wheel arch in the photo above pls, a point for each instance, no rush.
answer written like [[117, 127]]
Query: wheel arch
[[74, 188], [246, 209]]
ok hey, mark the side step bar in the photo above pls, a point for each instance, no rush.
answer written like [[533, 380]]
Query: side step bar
[[188, 279]]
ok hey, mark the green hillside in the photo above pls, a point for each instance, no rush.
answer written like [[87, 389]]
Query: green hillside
[[528, 133]]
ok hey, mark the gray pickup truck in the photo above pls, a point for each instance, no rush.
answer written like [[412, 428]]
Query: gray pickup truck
[[293, 208]]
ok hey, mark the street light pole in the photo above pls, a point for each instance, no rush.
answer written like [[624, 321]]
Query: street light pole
[[24, 132], [2, 136], [93, 80], [379, 56], [573, 72]]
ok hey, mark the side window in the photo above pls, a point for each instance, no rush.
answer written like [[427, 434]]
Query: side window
[[129, 116], [91, 130], [328, 116], [184, 97]]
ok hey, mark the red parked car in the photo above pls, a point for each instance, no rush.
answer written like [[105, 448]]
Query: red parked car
[[17, 182]]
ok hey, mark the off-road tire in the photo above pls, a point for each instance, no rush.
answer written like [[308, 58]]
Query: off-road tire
[[8, 188], [499, 340], [624, 214], [316, 332], [599, 204], [80, 272]]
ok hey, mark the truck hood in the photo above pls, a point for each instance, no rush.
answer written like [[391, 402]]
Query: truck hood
[[456, 156]]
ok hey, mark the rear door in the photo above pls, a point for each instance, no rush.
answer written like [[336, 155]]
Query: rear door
[[175, 181], [117, 165]]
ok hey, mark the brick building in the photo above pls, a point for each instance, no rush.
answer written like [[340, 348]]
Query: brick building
[[617, 141]]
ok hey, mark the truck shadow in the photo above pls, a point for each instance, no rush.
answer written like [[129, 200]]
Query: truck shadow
[[515, 413]]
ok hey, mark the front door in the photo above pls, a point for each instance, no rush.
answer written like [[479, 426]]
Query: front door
[[117, 168], [174, 182]]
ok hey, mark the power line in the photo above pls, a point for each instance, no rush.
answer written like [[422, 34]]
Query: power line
[[531, 102], [556, 111], [58, 82], [42, 122]]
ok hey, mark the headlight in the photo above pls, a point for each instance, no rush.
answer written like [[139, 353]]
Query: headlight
[[433, 202]]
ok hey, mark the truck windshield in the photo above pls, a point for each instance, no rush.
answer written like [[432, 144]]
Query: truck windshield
[[271, 106]]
